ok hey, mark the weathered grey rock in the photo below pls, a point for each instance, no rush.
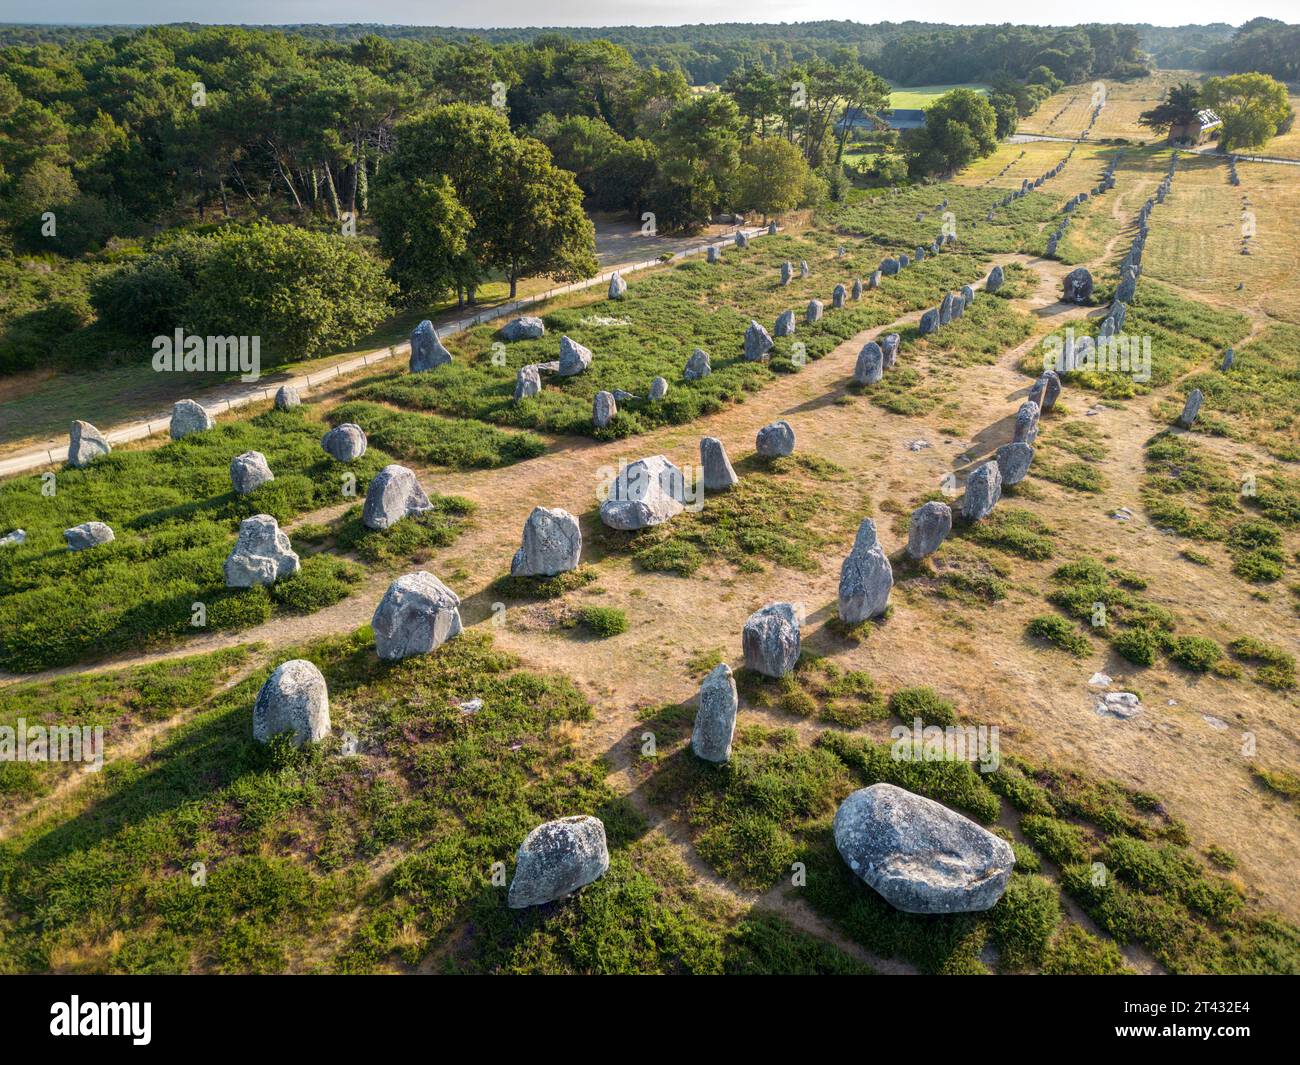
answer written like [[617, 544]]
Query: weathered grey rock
[[775, 440], [1191, 408], [87, 534], [1026, 431], [771, 229], [758, 342], [646, 492], [904, 262], [967, 295], [784, 324], [958, 307], [929, 322], [603, 409], [889, 348], [857, 288], [294, 699], [13, 539], [345, 442], [804, 271], [1046, 390], [945, 309], [249, 471], [839, 295], [874, 280], [1119, 311], [417, 614], [983, 490], [394, 494], [617, 286], [1228, 357], [715, 718], [85, 444], [557, 858], [574, 358], [787, 272], [742, 239], [427, 352], [1013, 461], [188, 417], [920, 856], [866, 577], [286, 398], [995, 279], [771, 639], [814, 311], [552, 544], [1107, 328], [714, 254], [718, 472], [527, 327], [927, 528], [697, 365], [918, 255], [528, 383], [889, 267], [262, 554], [871, 364]]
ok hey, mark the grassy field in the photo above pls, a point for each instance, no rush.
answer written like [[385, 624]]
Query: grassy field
[[920, 97], [1066, 113]]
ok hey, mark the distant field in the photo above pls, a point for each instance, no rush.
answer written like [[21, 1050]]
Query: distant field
[[1286, 146], [922, 96], [1066, 113]]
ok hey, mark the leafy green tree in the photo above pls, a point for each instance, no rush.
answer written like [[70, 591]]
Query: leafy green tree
[[1253, 108], [960, 127], [423, 228], [1179, 107], [1007, 112], [772, 177]]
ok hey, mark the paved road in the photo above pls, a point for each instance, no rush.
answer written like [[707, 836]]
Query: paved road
[[1023, 138]]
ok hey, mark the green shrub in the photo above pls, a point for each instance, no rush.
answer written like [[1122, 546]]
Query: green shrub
[[907, 704], [603, 621], [1059, 840], [1139, 646], [1076, 952], [1057, 631], [1197, 653], [1022, 922]]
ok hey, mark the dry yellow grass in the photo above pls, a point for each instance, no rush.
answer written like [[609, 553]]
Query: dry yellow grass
[[1125, 102]]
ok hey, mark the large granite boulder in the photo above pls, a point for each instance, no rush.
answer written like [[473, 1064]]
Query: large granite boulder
[[574, 358], [528, 382], [13, 539], [249, 472], [945, 309], [1078, 286], [839, 295], [771, 639], [87, 534], [262, 554], [742, 239], [345, 443], [814, 313], [870, 366], [995, 279], [603, 409], [718, 472], [715, 719], [1026, 431], [866, 577], [921, 856], [557, 858], [526, 327], [967, 295], [928, 527], [889, 267], [785, 326], [758, 342], [1013, 461], [889, 349], [417, 614], [427, 352], [617, 286], [85, 444], [394, 494], [1191, 408], [983, 490], [552, 544], [188, 417], [287, 397], [775, 440], [929, 322], [294, 700], [647, 492], [697, 365]]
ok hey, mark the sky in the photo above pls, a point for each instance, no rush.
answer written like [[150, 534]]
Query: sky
[[495, 13]]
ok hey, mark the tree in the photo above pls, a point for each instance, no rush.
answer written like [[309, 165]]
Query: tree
[[1007, 112], [422, 230], [1253, 108], [699, 153], [960, 127], [772, 177], [1178, 108]]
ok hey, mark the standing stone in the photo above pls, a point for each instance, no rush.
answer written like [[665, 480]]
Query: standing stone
[[525, 328], [617, 287], [715, 719], [1013, 461], [814, 311], [286, 398], [804, 271], [188, 417], [742, 241], [345, 443], [856, 291], [919, 255], [775, 440], [1191, 408], [1228, 357], [718, 472], [557, 858], [866, 577], [528, 382], [87, 534], [771, 229], [394, 494], [784, 324], [417, 614], [904, 262], [787, 272], [249, 471], [889, 348], [1026, 431], [771, 640], [758, 342], [958, 307], [85, 444], [920, 856], [945, 309], [870, 365], [262, 554], [983, 490], [1046, 390], [603, 409], [967, 295], [927, 528], [888, 267], [658, 389], [929, 322], [574, 358], [714, 254], [427, 352], [552, 544], [838, 297], [294, 699], [995, 279], [1119, 311], [697, 365], [874, 280], [647, 492]]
